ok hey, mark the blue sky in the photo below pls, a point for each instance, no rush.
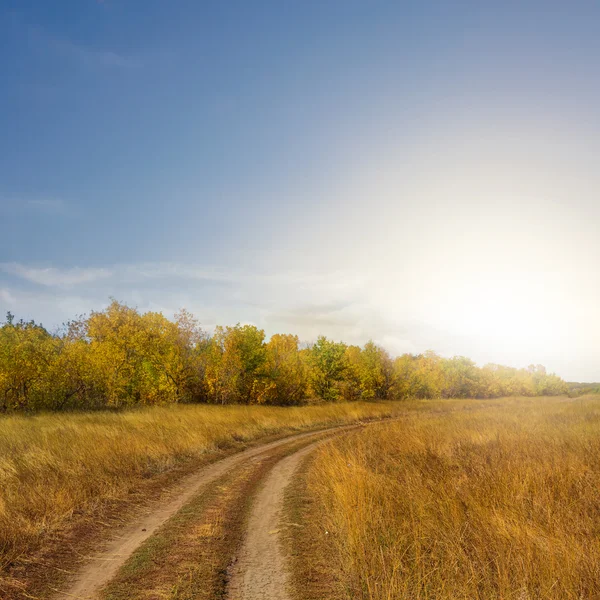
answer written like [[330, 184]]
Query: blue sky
[[423, 174]]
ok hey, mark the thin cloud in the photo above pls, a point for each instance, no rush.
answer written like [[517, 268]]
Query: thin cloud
[[129, 274], [84, 55], [249, 287], [6, 296], [90, 57], [48, 205], [35, 206], [53, 277], [335, 304]]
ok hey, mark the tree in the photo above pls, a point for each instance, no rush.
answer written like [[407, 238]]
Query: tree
[[115, 338], [327, 368], [235, 371], [350, 386], [461, 378], [118, 357], [27, 352], [285, 370], [376, 372]]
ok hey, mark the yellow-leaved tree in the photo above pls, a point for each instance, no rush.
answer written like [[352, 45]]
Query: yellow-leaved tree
[[235, 369], [286, 371]]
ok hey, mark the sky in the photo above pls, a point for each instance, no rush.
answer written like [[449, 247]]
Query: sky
[[423, 174]]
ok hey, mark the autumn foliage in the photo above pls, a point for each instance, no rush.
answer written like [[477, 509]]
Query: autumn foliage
[[120, 357]]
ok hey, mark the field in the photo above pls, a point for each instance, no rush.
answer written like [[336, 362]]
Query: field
[[458, 500], [58, 471], [452, 499]]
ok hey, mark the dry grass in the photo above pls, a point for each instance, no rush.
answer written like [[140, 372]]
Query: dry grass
[[304, 540], [56, 466], [466, 499]]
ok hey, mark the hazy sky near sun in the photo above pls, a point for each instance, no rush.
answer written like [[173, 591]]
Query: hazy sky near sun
[[422, 174]]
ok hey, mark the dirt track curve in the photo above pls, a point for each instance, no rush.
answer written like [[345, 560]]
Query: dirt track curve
[[259, 571]]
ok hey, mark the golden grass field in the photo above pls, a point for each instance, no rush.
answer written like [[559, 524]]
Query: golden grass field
[[53, 466], [464, 500]]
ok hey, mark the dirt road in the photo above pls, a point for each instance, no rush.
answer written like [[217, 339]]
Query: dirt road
[[259, 571]]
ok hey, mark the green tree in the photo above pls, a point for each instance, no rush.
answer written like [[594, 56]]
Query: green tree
[[376, 372], [327, 368]]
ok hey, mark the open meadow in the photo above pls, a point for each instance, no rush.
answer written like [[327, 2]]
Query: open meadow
[[459, 499], [57, 470], [105, 420]]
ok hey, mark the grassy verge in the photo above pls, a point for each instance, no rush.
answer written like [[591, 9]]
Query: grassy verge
[[307, 542], [463, 500], [63, 477]]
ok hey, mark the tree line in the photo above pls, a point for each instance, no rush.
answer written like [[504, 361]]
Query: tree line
[[120, 357], [577, 388]]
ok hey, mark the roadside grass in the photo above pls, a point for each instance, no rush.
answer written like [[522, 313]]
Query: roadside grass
[[60, 472], [462, 500], [306, 542]]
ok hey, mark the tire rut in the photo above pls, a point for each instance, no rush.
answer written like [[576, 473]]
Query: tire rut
[[102, 568], [260, 571]]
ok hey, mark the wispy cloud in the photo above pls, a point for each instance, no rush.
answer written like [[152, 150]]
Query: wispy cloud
[[91, 57], [85, 55], [337, 304], [53, 277], [48, 205], [7, 297], [35, 206], [327, 284], [308, 304]]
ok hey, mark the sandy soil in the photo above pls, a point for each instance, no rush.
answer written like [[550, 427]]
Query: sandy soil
[[260, 572]]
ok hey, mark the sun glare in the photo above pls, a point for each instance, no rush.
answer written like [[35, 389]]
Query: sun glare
[[502, 314]]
